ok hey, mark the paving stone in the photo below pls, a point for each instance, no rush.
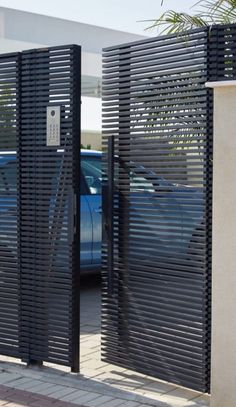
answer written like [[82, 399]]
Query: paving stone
[[74, 395], [39, 387], [198, 403], [114, 403], [86, 398], [151, 396], [61, 393], [99, 401], [13, 396], [144, 405], [130, 404], [90, 373], [48, 390], [8, 377], [183, 394], [109, 377], [20, 383], [42, 403], [105, 367], [126, 386], [27, 384], [204, 399], [22, 398], [156, 387]]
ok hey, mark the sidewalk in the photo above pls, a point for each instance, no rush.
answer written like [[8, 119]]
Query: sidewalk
[[20, 398], [48, 387], [98, 385]]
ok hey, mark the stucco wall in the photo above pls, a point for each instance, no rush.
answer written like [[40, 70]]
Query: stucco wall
[[223, 388]]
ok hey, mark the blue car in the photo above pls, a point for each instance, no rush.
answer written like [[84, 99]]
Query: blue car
[[91, 211], [178, 223]]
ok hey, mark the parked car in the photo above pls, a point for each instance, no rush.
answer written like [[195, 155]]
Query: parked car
[[91, 211], [177, 210], [176, 221]]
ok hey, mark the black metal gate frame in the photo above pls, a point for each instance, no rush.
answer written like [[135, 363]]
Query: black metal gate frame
[[156, 315], [156, 302], [42, 278]]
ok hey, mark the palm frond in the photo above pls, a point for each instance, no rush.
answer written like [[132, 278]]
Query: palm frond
[[220, 11], [175, 22], [208, 12]]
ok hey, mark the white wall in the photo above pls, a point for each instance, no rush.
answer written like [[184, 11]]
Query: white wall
[[91, 114], [223, 351], [91, 64], [20, 26], [17, 27]]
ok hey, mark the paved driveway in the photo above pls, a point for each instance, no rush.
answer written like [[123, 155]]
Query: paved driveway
[[98, 384], [128, 384]]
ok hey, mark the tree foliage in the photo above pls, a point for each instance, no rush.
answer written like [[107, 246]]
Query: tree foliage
[[205, 13]]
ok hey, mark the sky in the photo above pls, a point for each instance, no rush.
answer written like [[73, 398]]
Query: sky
[[122, 15]]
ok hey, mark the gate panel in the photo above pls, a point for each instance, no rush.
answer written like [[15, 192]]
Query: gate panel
[[156, 276], [50, 207], [49, 188], [9, 261], [40, 205]]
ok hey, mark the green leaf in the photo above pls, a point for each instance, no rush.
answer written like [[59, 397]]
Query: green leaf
[[208, 12]]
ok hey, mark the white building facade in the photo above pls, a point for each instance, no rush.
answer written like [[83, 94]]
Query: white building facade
[[20, 30]]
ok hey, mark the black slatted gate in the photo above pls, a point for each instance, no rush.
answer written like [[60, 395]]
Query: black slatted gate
[[157, 226], [9, 238], [39, 205]]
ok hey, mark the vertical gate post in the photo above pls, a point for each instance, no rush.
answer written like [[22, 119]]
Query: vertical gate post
[[223, 376], [76, 140]]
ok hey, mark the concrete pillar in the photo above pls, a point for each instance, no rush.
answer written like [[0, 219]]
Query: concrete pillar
[[223, 369]]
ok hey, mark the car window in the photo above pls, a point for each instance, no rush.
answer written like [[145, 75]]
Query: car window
[[91, 168], [140, 184], [83, 186], [138, 179]]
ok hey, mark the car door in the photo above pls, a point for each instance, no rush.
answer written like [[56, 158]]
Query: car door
[[91, 168], [86, 228]]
